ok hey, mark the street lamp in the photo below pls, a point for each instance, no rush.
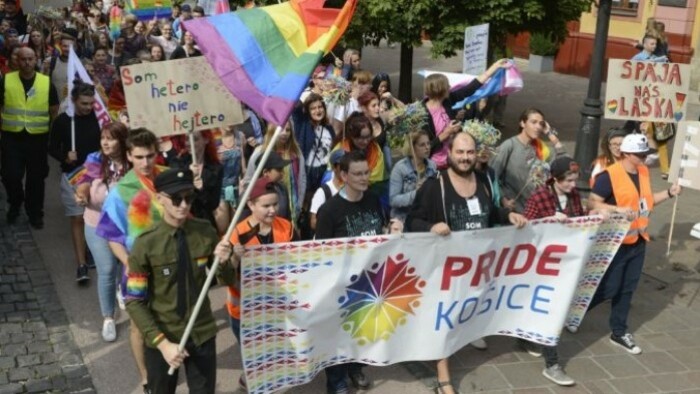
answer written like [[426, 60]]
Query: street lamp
[[589, 132]]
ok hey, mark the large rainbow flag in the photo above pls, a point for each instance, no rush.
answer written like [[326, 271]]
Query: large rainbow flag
[[265, 55], [150, 9]]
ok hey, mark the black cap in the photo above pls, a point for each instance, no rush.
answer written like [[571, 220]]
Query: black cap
[[174, 181], [274, 161], [615, 132], [561, 165], [186, 8]]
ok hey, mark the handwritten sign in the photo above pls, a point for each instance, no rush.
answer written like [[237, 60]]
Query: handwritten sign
[[476, 44], [178, 96], [647, 91], [684, 165]]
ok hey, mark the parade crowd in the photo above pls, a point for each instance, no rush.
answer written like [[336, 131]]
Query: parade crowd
[[148, 212]]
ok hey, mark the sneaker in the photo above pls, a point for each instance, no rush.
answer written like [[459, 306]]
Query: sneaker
[[109, 330], [120, 298], [342, 390], [557, 375], [242, 384], [695, 231], [533, 349], [360, 381], [479, 344], [146, 390], [626, 342], [82, 274], [572, 329]]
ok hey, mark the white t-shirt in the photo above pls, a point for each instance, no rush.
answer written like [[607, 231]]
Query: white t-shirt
[[562, 201], [320, 197]]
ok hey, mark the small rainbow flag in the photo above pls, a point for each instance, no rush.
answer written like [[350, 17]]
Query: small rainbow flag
[[115, 22], [149, 9], [265, 55]]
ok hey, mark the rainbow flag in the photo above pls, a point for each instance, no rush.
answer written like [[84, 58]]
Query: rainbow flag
[[149, 9], [265, 55], [130, 209], [115, 22]]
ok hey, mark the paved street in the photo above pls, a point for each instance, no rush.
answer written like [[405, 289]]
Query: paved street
[[45, 318]]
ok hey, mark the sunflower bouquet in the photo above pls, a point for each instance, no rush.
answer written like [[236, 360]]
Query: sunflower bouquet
[[485, 135], [336, 90], [403, 120]]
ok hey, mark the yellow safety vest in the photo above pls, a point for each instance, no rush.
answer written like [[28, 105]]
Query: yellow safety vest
[[28, 111]]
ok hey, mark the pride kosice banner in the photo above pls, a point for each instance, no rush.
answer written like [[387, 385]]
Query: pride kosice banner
[[387, 299]]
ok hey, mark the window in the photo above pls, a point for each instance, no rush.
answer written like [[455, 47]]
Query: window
[[625, 7]]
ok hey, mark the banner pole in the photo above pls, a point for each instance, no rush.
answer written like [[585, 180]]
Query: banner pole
[[227, 236], [72, 131], [670, 230]]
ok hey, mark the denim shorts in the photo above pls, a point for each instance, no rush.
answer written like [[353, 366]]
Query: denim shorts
[[68, 198]]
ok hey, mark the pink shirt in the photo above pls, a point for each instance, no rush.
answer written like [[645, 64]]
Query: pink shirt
[[441, 120]]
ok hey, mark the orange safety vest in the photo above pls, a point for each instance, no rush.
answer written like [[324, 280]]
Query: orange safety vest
[[282, 231], [626, 195]]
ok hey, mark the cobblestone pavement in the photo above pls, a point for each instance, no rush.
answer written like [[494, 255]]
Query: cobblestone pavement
[[37, 349]]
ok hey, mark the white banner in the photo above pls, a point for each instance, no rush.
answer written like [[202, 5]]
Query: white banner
[[388, 299], [684, 166], [476, 46]]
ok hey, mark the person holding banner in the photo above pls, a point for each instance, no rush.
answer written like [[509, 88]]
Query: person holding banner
[[558, 199], [458, 199], [353, 212], [29, 104], [72, 139], [262, 227], [625, 187], [167, 270]]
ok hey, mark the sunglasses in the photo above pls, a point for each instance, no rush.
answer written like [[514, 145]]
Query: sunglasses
[[641, 155], [179, 198]]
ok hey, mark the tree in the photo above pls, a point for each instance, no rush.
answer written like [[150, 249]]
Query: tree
[[405, 21]]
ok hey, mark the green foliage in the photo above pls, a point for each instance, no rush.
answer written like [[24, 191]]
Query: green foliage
[[543, 45]]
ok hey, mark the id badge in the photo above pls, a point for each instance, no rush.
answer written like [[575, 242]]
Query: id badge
[[474, 206], [643, 207]]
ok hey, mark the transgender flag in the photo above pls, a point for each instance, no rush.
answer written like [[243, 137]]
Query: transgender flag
[[265, 55]]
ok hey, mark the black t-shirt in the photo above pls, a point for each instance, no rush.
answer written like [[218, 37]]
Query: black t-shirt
[[471, 213], [27, 84], [603, 186], [339, 218]]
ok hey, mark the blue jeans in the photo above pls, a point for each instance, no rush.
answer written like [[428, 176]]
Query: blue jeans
[[619, 283], [236, 328], [335, 375], [107, 270]]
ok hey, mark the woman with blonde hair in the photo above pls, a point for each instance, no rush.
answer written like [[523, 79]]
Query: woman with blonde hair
[[409, 173]]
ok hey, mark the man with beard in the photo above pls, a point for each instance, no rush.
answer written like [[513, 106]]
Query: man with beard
[[459, 199]]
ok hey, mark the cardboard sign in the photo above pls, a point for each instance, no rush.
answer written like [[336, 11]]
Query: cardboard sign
[[178, 96], [684, 165], [476, 45], [647, 91]]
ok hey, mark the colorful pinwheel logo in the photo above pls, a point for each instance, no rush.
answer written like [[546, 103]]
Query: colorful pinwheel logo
[[378, 300]]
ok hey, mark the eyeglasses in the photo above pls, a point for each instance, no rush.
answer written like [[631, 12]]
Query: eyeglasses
[[615, 145], [641, 155], [363, 137], [179, 198]]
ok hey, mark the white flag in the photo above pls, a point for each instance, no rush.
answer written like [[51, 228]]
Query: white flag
[[77, 70]]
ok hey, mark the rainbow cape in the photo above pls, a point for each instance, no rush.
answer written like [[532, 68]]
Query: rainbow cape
[[129, 209], [265, 55], [149, 9]]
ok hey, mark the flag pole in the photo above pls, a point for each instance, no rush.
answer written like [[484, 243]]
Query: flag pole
[[72, 131], [215, 265], [670, 231]]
